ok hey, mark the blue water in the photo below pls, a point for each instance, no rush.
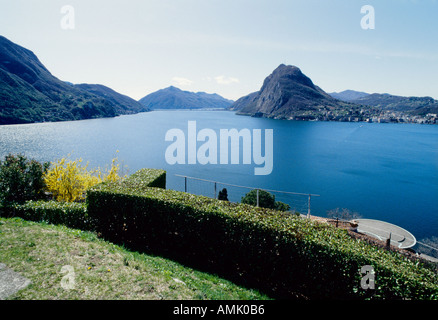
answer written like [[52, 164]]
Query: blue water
[[381, 171]]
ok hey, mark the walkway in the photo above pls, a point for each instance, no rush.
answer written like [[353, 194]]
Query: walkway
[[10, 282]]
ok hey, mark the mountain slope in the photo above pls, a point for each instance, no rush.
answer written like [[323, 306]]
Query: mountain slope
[[289, 94], [30, 93], [174, 98], [244, 101], [122, 103], [388, 102]]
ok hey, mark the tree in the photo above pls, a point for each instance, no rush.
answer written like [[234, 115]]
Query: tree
[[281, 206], [266, 200], [223, 195], [342, 214]]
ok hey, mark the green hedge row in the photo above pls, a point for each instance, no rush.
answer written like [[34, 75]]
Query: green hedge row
[[146, 178], [284, 256], [73, 215]]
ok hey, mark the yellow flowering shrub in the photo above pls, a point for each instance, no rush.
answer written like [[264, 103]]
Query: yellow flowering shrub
[[69, 180]]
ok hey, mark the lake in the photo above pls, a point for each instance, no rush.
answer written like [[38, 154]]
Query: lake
[[381, 171]]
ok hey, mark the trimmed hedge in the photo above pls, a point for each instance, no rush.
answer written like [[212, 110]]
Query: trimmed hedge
[[284, 256], [146, 178], [74, 214], [70, 214]]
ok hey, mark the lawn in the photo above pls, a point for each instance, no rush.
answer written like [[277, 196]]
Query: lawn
[[71, 264]]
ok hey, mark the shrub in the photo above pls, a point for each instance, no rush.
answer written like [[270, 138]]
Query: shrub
[[285, 256], [266, 200], [281, 206], [223, 195], [68, 180], [21, 179], [73, 215]]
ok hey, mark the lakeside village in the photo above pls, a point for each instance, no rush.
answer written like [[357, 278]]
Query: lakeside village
[[365, 116], [400, 117]]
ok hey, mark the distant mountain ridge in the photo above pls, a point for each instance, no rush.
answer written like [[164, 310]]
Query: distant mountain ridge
[[289, 94], [389, 102], [175, 98], [30, 93], [348, 95]]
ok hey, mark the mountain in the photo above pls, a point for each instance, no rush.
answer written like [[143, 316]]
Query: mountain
[[386, 102], [30, 93], [174, 98], [289, 94], [348, 95], [410, 105], [122, 103], [242, 102]]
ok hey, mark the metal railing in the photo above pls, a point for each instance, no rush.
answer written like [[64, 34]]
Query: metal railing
[[298, 202], [302, 201]]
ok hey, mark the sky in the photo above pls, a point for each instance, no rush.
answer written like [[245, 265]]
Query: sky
[[230, 46]]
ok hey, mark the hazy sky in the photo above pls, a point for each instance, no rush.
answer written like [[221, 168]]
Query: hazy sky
[[230, 46]]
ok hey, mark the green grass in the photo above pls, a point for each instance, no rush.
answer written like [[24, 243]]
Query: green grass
[[102, 270]]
